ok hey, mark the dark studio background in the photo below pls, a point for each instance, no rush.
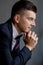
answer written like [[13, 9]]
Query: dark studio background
[[5, 12]]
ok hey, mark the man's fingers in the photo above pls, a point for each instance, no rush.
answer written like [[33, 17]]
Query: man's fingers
[[35, 35], [37, 39]]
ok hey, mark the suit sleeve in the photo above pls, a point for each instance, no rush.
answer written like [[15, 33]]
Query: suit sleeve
[[5, 54]]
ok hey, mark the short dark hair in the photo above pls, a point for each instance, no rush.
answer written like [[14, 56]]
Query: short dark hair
[[22, 5]]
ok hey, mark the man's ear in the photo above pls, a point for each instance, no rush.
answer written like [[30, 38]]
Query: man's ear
[[16, 18]]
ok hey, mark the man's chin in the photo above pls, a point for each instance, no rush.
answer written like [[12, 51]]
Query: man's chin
[[26, 31]]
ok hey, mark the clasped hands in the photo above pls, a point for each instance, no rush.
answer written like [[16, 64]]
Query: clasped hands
[[30, 40]]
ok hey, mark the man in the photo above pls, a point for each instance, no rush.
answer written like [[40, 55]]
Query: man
[[22, 19]]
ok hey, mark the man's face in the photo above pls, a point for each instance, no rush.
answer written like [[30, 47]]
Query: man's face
[[27, 21]]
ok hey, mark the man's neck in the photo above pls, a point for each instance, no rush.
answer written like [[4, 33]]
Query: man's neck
[[17, 28]]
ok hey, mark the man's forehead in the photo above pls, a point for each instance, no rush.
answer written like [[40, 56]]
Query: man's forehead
[[30, 13]]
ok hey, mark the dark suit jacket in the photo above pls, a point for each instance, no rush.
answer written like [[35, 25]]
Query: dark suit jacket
[[7, 56]]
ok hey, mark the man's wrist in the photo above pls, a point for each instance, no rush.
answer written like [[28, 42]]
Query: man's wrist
[[28, 47]]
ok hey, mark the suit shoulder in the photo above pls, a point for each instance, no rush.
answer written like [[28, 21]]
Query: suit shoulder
[[2, 25], [5, 24]]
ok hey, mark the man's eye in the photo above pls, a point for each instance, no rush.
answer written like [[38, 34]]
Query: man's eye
[[30, 18]]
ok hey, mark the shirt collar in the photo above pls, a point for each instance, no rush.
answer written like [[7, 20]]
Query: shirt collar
[[15, 33]]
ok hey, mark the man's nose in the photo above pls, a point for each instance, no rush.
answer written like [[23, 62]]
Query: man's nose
[[33, 24]]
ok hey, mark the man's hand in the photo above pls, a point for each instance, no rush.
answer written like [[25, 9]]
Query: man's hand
[[30, 40]]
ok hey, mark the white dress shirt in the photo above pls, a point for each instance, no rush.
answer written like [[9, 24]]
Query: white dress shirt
[[15, 34]]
